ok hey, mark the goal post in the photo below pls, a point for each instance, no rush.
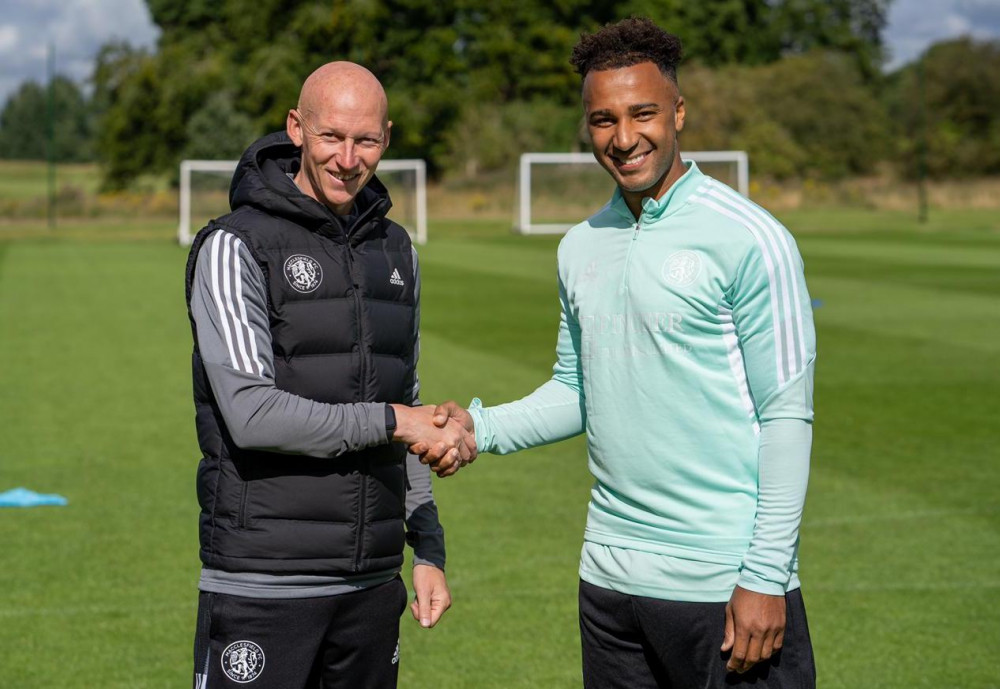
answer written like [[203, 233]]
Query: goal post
[[185, 235], [598, 182], [410, 205]]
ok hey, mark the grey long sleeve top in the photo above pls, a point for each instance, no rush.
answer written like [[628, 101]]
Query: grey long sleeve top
[[229, 306]]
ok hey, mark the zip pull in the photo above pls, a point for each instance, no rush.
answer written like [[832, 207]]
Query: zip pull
[[628, 258]]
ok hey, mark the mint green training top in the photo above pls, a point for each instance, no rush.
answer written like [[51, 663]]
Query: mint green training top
[[685, 351]]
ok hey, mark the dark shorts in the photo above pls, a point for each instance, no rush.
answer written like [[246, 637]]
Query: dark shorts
[[350, 641], [634, 642]]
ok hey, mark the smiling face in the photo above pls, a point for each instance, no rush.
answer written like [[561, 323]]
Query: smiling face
[[342, 128], [634, 115]]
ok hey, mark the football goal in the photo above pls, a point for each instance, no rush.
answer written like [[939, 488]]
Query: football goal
[[557, 190], [204, 194]]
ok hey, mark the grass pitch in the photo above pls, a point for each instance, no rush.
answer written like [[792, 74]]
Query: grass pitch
[[901, 538]]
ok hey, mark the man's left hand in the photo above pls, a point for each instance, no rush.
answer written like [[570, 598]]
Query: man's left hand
[[433, 596], [755, 628]]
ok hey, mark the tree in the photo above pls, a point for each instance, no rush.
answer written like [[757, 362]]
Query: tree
[[716, 32], [821, 99], [150, 100], [954, 111], [23, 123], [219, 131], [454, 70], [755, 32], [853, 27]]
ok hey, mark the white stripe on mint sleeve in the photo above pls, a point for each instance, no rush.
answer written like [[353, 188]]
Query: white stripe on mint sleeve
[[789, 259], [736, 365], [771, 281], [743, 207]]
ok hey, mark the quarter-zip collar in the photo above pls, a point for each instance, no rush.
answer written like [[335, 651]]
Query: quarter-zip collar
[[657, 209]]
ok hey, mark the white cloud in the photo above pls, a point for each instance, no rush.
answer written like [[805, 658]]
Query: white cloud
[[916, 24], [8, 38]]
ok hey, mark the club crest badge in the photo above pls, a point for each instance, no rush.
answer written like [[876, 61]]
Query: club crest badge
[[303, 273], [681, 268], [243, 661]]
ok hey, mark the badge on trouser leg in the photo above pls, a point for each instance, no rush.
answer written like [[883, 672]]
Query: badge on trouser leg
[[243, 661]]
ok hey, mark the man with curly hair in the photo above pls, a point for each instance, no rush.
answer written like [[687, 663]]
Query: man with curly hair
[[685, 352]]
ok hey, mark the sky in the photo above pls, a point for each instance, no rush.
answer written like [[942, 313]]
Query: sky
[[77, 28]]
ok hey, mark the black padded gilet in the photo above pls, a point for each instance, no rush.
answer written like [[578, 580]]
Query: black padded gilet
[[344, 333]]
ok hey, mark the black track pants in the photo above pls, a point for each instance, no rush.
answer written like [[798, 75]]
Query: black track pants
[[350, 641], [633, 642]]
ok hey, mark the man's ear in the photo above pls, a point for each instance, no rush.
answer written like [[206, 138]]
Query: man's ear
[[293, 127], [388, 135], [679, 114]]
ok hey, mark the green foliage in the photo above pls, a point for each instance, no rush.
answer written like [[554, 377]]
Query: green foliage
[[809, 114], [755, 32], [186, 15], [821, 100], [150, 101], [488, 138], [953, 106], [852, 27], [218, 131], [772, 148], [716, 32], [24, 117], [520, 50], [130, 137], [796, 82]]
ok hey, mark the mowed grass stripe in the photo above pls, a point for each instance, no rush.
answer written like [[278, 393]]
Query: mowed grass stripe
[[939, 266], [902, 251], [974, 280], [450, 368], [952, 226], [508, 317], [527, 258], [960, 319]]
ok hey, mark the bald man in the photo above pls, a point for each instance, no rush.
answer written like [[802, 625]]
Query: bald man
[[304, 304]]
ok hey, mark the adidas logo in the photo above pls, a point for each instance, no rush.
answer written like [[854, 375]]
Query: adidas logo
[[395, 279]]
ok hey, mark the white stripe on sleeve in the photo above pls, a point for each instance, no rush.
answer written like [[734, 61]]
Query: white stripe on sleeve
[[784, 271], [736, 365], [792, 268], [244, 321], [216, 280], [229, 258], [772, 286]]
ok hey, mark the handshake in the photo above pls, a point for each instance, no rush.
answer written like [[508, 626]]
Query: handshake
[[443, 436]]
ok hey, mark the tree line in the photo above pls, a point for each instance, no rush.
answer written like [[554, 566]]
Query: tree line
[[473, 83]]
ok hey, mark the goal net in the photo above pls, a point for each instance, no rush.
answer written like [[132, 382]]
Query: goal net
[[204, 194], [557, 190]]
